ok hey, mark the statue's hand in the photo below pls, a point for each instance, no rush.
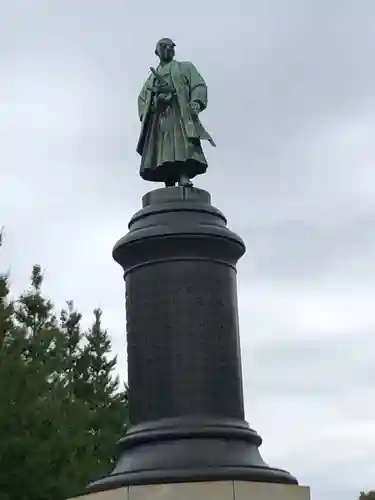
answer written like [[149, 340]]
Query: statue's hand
[[164, 97], [195, 107]]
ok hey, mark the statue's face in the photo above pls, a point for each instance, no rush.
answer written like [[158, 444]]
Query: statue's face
[[165, 50]]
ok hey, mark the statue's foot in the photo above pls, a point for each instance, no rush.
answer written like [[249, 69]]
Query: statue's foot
[[169, 183], [185, 181]]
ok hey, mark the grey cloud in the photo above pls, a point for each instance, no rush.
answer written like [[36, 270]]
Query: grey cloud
[[298, 250], [329, 368], [291, 107]]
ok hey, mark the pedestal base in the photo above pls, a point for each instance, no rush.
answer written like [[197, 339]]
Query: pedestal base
[[217, 490], [186, 410]]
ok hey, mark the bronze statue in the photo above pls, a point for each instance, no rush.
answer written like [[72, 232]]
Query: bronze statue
[[171, 131]]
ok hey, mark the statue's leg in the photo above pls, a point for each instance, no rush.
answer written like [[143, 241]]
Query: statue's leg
[[185, 181]]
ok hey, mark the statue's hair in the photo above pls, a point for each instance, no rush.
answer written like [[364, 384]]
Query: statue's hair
[[165, 39]]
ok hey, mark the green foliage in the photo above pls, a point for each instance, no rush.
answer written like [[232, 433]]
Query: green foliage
[[61, 407], [370, 495], [102, 392]]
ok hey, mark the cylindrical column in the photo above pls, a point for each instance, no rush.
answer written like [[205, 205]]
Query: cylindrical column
[[184, 366], [183, 346]]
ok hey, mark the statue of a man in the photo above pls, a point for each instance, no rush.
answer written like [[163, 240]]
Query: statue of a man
[[171, 131]]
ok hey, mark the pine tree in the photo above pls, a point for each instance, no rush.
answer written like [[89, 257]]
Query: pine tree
[[6, 311], [41, 432], [10, 375], [61, 408], [35, 315], [370, 495], [107, 401], [21, 390], [72, 369], [100, 368]]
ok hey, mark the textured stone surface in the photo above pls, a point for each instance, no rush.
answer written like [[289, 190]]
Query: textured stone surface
[[118, 494], [174, 368], [220, 490], [216, 490], [267, 491]]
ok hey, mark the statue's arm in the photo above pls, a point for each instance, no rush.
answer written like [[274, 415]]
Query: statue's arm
[[142, 101], [198, 87]]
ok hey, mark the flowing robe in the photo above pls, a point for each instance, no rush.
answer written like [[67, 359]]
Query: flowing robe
[[170, 138]]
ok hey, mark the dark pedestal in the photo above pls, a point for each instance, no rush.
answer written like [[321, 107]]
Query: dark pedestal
[[185, 382]]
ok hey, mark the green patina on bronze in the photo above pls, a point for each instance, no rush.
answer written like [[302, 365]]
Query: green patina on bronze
[[171, 132]]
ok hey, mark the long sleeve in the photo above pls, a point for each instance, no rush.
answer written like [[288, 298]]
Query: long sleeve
[[142, 101], [198, 87]]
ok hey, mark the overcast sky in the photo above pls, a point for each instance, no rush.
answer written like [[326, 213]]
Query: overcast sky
[[292, 110]]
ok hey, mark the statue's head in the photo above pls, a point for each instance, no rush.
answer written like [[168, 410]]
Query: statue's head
[[165, 49]]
